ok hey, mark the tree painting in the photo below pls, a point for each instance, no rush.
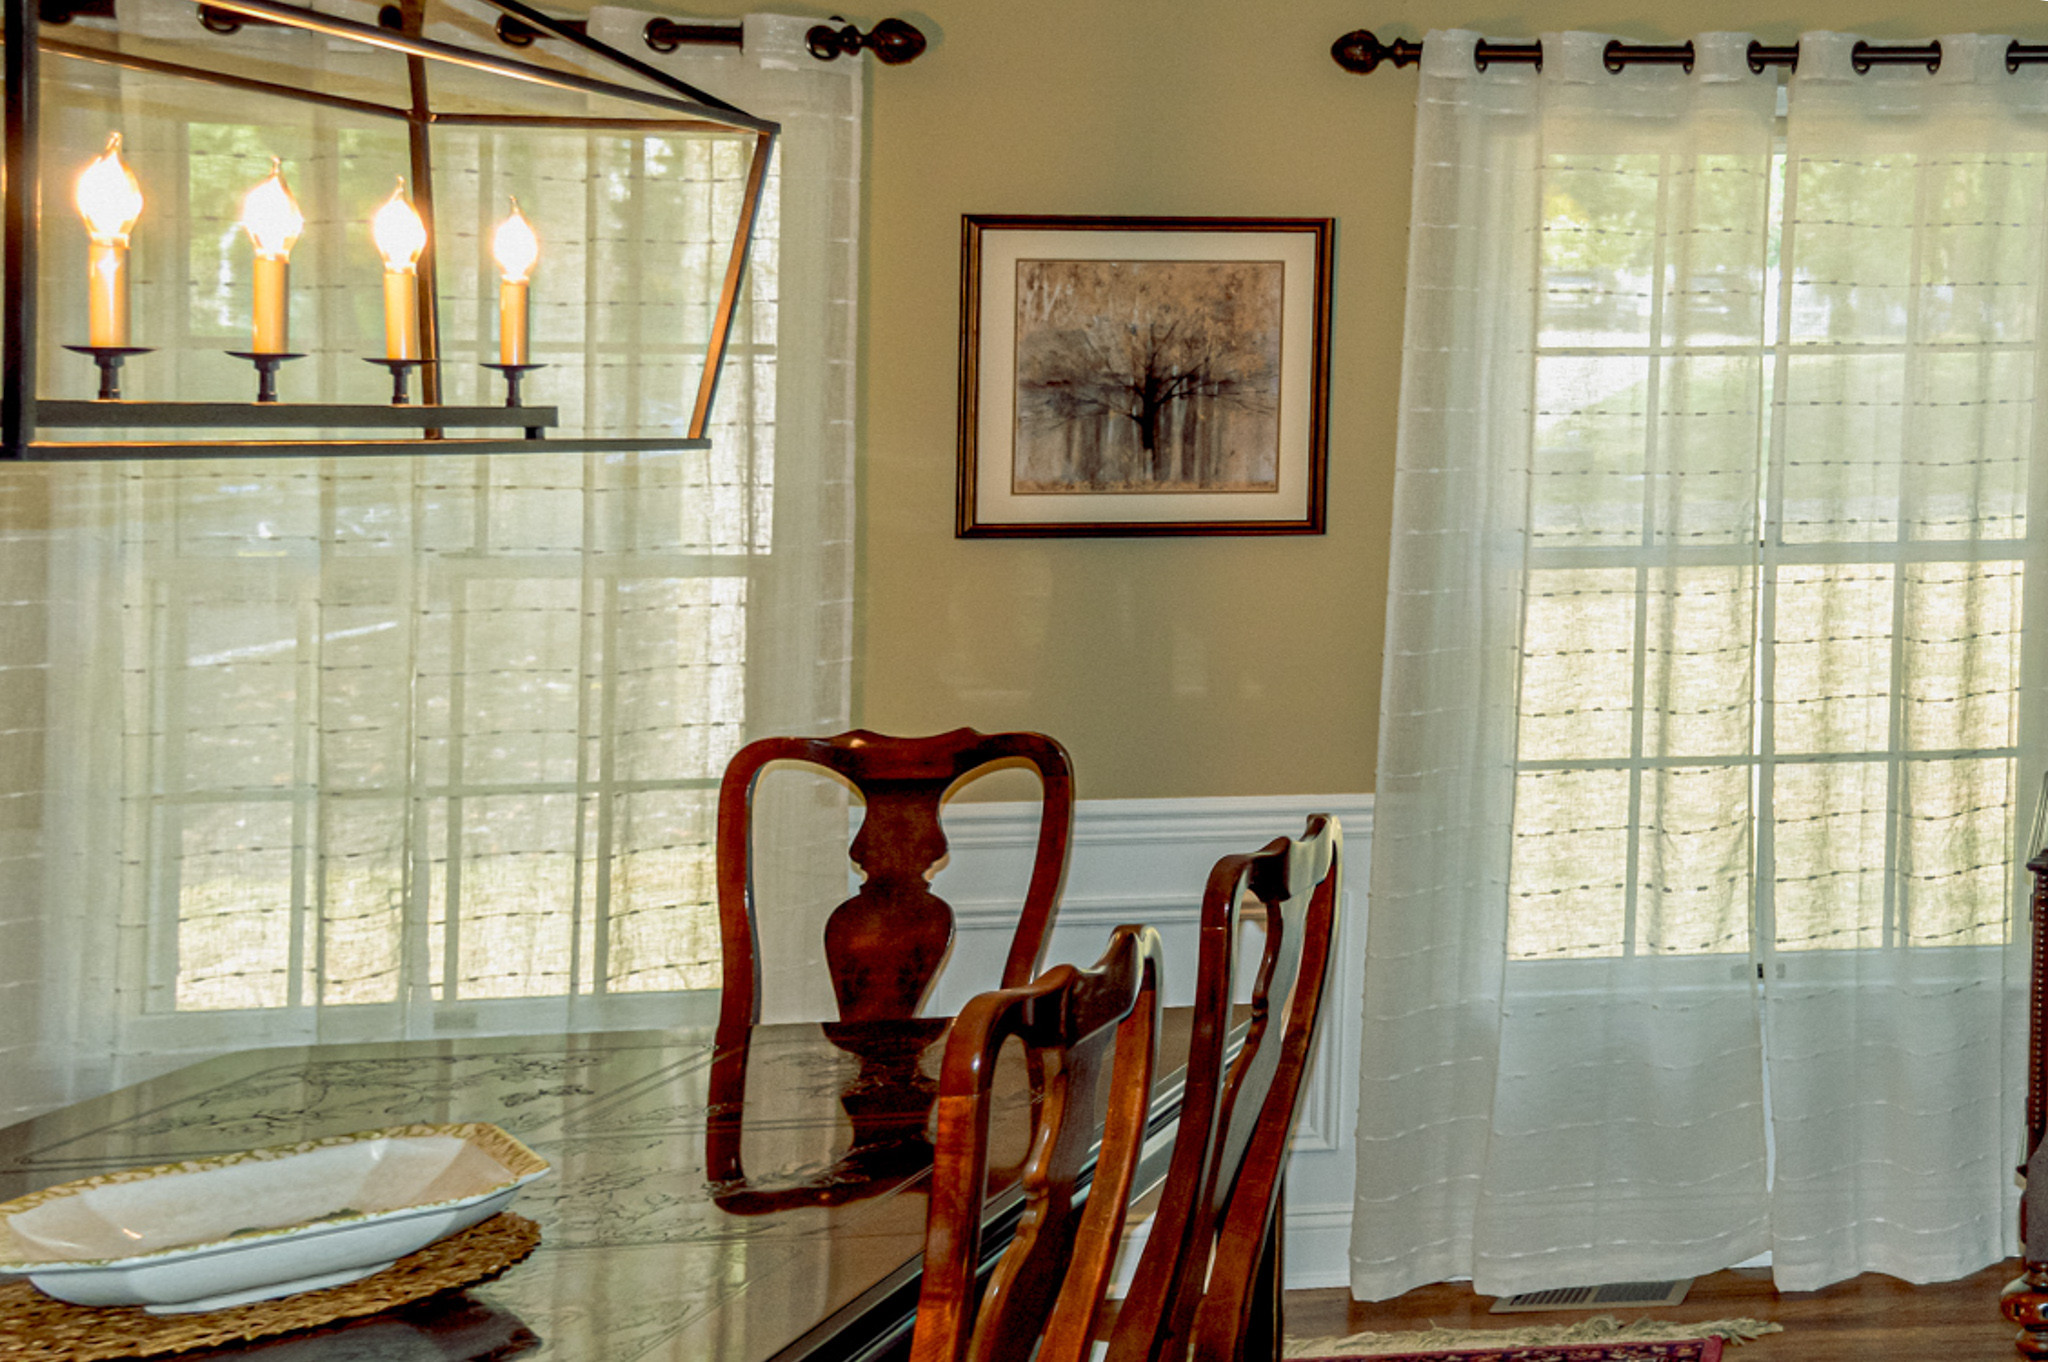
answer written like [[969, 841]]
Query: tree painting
[[1148, 376]]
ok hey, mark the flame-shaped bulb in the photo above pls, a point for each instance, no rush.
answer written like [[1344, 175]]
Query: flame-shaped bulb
[[273, 221], [109, 196], [398, 232], [515, 247], [271, 216]]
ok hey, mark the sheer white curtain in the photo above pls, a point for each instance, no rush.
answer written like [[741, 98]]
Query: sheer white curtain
[[1703, 736], [369, 749]]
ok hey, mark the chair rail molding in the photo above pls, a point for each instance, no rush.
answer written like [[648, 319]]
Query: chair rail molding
[[1146, 860]]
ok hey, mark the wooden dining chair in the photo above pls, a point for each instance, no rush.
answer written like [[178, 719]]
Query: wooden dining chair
[[1094, 1034], [1208, 1283], [884, 945]]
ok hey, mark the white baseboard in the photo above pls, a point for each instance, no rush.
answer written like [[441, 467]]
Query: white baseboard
[[1317, 1253], [1318, 1248]]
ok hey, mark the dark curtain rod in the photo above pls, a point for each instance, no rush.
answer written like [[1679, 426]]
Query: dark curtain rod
[[893, 41], [1363, 53]]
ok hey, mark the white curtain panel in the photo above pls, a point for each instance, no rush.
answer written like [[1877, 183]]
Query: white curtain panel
[[366, 749], [1699, 809]]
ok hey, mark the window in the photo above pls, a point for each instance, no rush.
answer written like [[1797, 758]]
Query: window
[[454, 731], [1771, 641]]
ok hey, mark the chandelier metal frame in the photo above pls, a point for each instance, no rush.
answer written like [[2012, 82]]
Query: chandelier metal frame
[[28, 419]]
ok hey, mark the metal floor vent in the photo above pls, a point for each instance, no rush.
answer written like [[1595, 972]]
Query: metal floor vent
[[1614, 1295]]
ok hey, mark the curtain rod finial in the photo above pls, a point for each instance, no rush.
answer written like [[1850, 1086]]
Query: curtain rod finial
[[1361, 52]]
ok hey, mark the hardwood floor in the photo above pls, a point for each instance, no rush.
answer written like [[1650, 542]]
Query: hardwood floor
[[1868, 1319]]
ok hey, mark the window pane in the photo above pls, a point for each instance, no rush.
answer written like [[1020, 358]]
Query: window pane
[[517, 895], [515, 704], [664, 892], [1830, 822], [1833, 658], [1713, 278], [233, 686], [1955, 842], [1853, 229], [1980, 246], [233, 881], [1972, 434], [1568, 890], [365, 683], [1578, 669], [680, 676], [1599, 248], [1699, 692], [1840, 460], [1962, 655], [362, 908], [1704, 469], [1694, 872], [1587, 486]]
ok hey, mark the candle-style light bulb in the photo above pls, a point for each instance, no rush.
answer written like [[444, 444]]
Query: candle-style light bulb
[[273, 221], [400, 237], [517, 250], [110, 200]]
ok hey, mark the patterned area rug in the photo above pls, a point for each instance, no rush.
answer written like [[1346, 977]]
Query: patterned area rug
[[1602, 1338], [1676, 1350]]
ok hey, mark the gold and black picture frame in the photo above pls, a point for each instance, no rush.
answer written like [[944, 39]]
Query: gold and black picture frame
[[1128, 376]]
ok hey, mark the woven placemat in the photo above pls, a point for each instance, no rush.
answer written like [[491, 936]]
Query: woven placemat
[[36, 1328]]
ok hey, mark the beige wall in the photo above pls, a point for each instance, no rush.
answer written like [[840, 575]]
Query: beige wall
[[1203, 666], [1171, 667]]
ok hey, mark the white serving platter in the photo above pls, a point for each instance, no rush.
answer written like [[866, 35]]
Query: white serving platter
[[235, 1228]]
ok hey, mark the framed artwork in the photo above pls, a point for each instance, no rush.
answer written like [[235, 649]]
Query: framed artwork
[[1143, 376]]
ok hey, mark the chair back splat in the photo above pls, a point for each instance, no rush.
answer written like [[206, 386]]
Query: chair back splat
[[1094, 1035], [884, 946], [1208, 1285]]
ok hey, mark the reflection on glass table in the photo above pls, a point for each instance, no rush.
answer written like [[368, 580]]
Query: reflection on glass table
[[762, 1199]]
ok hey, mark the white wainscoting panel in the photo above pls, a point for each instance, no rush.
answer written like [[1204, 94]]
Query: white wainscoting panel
[[1146, 860]]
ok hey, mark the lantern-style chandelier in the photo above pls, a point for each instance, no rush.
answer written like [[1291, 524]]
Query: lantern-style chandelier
[[404, 69]]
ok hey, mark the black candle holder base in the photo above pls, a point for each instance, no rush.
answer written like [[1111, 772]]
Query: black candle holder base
[[267, 366], [401, 377], [513, 373], [109, 358]]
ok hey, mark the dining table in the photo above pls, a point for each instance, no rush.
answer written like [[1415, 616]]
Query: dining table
[[755, 1195]]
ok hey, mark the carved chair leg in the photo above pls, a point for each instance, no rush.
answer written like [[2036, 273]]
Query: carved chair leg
[[2025, 1303], [1262, 1335]]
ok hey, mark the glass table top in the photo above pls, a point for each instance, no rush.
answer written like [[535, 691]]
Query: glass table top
[[805, 1243]]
